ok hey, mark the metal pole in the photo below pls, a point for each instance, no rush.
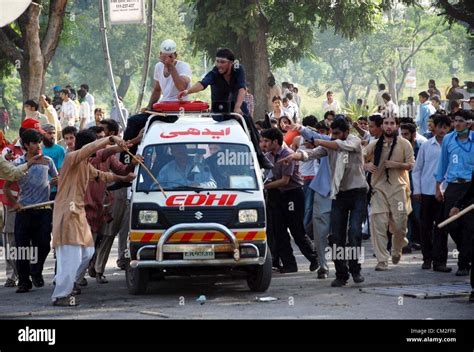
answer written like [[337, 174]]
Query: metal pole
[[108, 63], [149, 35]]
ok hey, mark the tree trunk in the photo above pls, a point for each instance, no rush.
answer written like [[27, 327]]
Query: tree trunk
[[261, 69], [32, 68], [29, 53], [392, 82]]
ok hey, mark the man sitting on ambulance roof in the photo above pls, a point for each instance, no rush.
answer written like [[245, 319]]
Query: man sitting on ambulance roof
[[171, 76], [182, 171]]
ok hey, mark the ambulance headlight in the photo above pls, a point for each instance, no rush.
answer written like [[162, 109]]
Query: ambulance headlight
[[248, 215], [148, 216]]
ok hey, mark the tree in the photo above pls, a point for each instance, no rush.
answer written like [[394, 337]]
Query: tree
[[31, 41], [265, 34]]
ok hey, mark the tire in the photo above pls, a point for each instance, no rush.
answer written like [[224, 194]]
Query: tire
[[137, 280], [259, 277]]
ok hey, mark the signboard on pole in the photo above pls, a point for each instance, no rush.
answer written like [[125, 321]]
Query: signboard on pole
[[126, 11], [410, 79]]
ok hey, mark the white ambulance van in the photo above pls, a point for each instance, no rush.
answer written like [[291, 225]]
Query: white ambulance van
[[206, 215]]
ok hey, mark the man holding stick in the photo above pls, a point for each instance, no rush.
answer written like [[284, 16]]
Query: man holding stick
[[72, 236], [464, 202], [32, 226]]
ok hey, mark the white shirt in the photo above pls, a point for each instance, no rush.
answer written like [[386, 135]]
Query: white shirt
[[425, 167], [292, 111], [378, 98], [310, 167], [392, 109], [297, 99], [168, 89], [91, 100], [85, 112], [68, 113], [334, 106]]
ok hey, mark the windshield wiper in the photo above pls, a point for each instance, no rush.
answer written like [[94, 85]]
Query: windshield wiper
[[234, 189], [186, 188]]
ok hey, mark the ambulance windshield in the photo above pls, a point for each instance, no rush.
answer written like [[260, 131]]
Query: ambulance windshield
[[203, 166]]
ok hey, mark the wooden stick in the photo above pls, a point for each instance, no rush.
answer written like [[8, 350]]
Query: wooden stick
[[457, 216], [33, 206], [148, 172]]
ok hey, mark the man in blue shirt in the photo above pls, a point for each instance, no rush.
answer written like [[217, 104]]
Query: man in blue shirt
[[456, 165], [426, 110], [32, 226], [228, 87], [52, 150], [321, 185]]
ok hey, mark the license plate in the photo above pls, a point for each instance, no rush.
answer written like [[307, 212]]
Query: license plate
[[203, 255]]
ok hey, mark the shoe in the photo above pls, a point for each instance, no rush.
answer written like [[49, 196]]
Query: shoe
[[406, 250], [338, 283], [462, 272], [23, 288], [365, 236], [416, 246], [381, 266], [396, 259], [82, 282], [287, 270], [76, 290], [91, 271], [121, 265], [314, 266], [65, 302], [322, 274], [471, 297], [10, 283], [426, 265], [442, 269], [119, 185], [358, 278], [264, 162], [38, 281], [100, 278]]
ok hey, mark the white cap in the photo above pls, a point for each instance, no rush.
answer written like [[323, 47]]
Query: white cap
[[168, 46]]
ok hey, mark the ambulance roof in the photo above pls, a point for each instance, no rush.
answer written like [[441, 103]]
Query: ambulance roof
[[189, 129]]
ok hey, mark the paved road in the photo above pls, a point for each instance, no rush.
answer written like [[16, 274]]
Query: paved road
[[300, 295]]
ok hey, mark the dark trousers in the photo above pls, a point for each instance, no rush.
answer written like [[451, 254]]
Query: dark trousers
[[271, 234], [459, 229], [434, 242], [135, 124], [33, 229], [348, 212], [289, 214]]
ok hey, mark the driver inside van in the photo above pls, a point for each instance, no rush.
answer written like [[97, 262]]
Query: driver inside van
[[183, 171]]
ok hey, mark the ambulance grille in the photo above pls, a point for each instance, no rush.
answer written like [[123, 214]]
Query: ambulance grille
[[191, 215]]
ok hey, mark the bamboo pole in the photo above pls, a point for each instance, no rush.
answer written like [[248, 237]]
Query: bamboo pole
[[457, 216]]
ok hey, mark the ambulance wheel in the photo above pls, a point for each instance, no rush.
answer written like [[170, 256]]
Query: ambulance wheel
[[259, 277], [137, 280]]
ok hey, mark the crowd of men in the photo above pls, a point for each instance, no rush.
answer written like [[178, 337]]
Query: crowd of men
[[329, 183]]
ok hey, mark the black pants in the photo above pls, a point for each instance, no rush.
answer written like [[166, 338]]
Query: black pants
[[459, 229], [348, 212], [289, 214], [32, 229], [271, 224], [434, 242]]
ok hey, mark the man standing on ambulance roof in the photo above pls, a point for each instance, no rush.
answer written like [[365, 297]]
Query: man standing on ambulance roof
[[227, 81], [171, 76]]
